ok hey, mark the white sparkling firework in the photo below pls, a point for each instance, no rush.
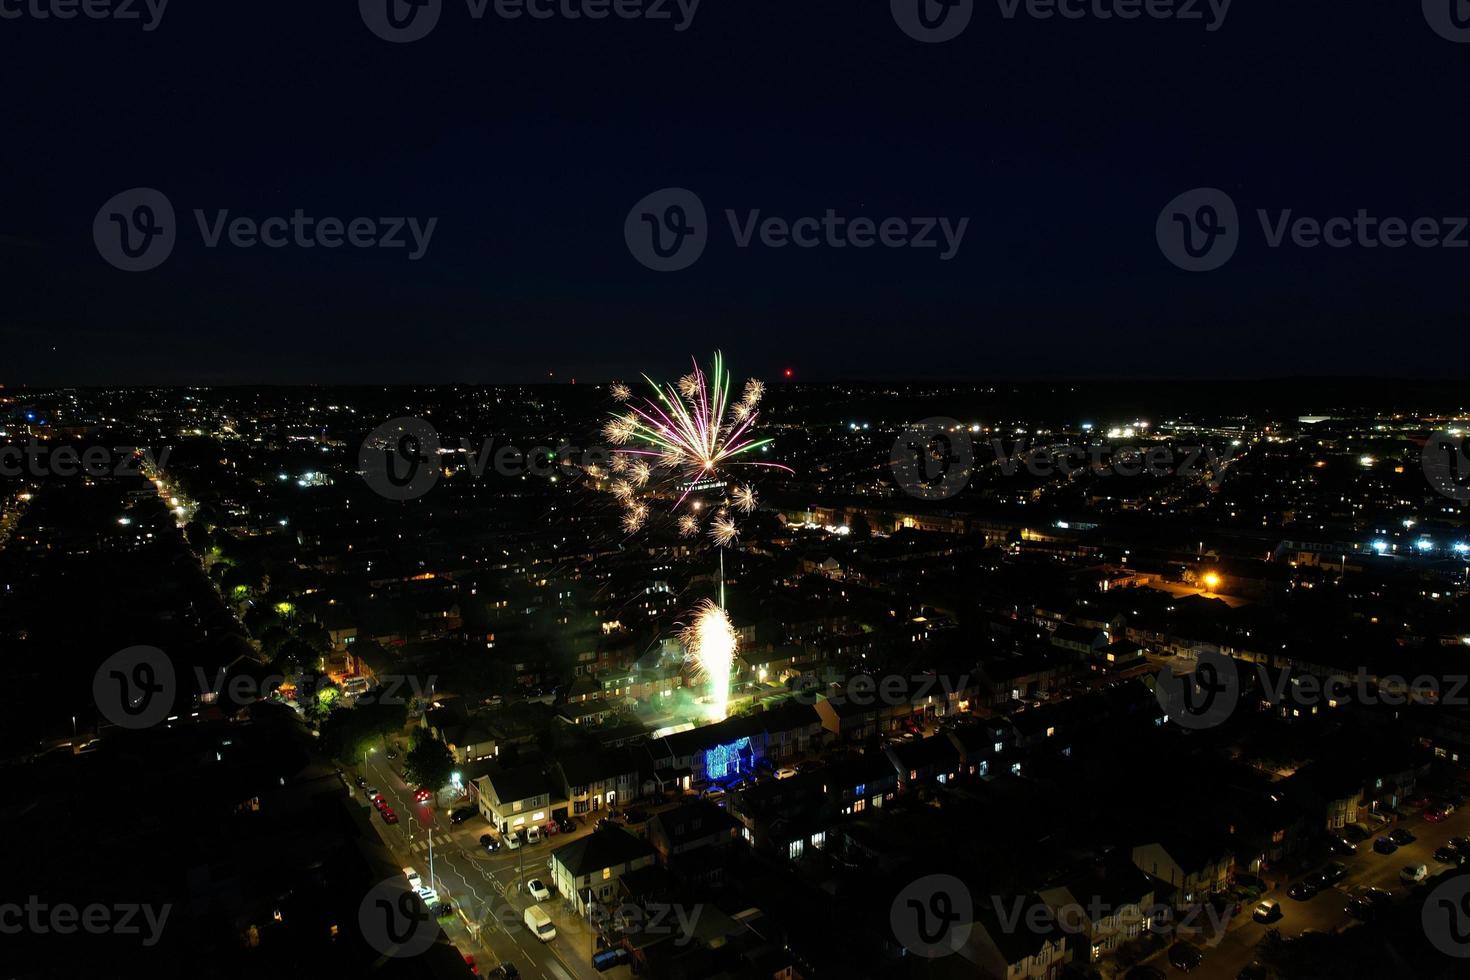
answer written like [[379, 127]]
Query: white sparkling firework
[[710, 642], [745, 499], [688, 526], [620, 391]]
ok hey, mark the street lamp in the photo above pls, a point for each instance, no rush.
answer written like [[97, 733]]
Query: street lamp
[[1211, 581]]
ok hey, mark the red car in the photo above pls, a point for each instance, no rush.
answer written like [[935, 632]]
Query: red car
[[379, 801], [1434, 815], [1417, 800], [388, 815], [423, 796]]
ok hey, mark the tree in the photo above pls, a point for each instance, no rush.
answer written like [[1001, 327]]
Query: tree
[[429, 762]]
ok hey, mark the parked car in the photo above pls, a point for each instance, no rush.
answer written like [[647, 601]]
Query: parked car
[[1400, 836], [422, 795], [361, 783], [1302, 890], [1459, 843], [379, 802], [1268, 911], [506, 971], [372, 792], [1412, 874], [1448, 855], [462, 814], [1333, 872], [550, 828], [785, 773], [538, 890], [1436, 814], [1341, 846], [533, 834], [489, 843], [1185, 956], [1369, 904], [413, 878], [1354, 833], [1385, 845], [513, 840], [566, 824], [388, 815]]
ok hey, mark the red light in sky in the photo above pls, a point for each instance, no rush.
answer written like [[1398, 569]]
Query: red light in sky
[[789, 372]]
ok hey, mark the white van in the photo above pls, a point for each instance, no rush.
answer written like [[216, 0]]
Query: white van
[[1412, 874], [540, 923], [413, 879]]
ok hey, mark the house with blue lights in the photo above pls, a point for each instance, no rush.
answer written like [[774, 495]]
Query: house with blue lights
[[735, 746]]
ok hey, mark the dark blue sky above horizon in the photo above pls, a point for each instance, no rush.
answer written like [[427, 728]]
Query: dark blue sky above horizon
[[1060, 140]]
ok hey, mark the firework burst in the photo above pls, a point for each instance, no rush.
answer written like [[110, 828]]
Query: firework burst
[[621, 392], [684, 436], [723, 532]]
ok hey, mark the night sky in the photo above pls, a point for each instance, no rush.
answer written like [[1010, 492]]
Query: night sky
[[530, 141]]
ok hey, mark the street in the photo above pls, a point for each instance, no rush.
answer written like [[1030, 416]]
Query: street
[[1325, 912], [486, 889]]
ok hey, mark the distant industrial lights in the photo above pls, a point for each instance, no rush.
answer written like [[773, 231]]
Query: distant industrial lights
[[1367, 461], [1380, 546]]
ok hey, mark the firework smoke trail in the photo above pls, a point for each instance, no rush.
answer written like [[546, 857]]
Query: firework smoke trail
[[710, 642]]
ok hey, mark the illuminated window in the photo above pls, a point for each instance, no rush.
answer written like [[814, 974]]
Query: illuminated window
[[606, 873]]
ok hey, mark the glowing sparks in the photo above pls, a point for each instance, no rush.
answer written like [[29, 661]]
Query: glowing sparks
[[621, 392], [634, 517], [639, 472], [723, 531], [745, 499], [688, 526], [623, 490], [710, 642], [620, 429], [689, 386]]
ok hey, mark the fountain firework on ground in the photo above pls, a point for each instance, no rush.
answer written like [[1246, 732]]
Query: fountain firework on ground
[[710, 645]]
